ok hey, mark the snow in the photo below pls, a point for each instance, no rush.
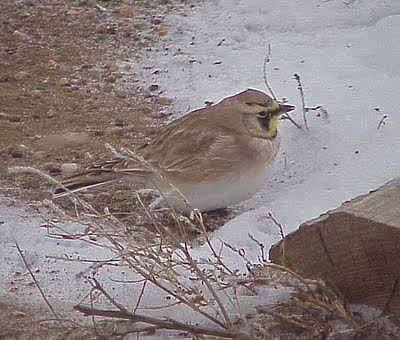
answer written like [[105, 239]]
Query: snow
[[348, 56]]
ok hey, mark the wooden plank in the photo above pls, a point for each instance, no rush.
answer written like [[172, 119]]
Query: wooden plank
[[355, 249]]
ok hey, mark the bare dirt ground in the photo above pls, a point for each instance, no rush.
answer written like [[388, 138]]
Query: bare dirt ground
[[66, 89], [62, 72]]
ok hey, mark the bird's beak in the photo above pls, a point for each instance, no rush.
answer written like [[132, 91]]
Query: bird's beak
[[283, 108]]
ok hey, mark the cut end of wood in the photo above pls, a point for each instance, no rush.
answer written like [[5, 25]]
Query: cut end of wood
[[354, 249]]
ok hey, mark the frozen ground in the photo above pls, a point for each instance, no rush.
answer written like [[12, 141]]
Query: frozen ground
[[348, 57]]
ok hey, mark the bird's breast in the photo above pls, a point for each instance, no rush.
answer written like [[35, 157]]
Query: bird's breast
[[234, 187]]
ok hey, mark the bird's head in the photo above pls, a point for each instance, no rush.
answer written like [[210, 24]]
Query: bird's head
[[259, 113]]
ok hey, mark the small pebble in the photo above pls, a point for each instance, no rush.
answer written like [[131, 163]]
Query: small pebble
[[164, 101], [102, 28], [18, 151], [77, 82], [72, 12], [112, 66], [10, 118], [68, 169], [64, 82], [127, 28], [111, 78], [119, 123], [22, 75], [32, 183], [160, 30], [36, 93], [87, 66], [4, 78], [51, 113], [39, 155], [117, 131], [120, 94], [66, 139], [107, 88], [95, 73], [124, 11], [118, 74], [153, 87]]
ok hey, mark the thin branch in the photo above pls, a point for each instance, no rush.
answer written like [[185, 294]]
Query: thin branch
[[200, 274], [282, 234], [38, 286], [291, 272], [303, 102], [261, 246], [165, 323], [93, 318], [289, 118], [140, 296], [267, 59], [145, 274], [273, 219], [98, 287], [217, 256], [265, 63], [293, 321]]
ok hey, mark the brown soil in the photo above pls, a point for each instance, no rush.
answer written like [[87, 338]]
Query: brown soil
[[64, 69]]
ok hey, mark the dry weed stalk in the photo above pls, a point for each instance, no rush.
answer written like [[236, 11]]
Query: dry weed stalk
[[313, 307], [38, 286], [164, 261], [208, 288], [267, 59], [305, 109], [303, 102], [166, 266]]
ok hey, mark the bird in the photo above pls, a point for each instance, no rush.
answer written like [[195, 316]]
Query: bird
[[211, 158]]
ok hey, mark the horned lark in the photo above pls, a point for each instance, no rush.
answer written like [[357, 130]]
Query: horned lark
[[214, 157]]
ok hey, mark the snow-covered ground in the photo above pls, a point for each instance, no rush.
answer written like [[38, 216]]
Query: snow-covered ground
[[348, 56]]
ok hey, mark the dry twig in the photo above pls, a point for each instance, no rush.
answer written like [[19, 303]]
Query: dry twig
[[38, 286], [303, 102], [267, 59], [265, 63], [208, 288], [159, 323]]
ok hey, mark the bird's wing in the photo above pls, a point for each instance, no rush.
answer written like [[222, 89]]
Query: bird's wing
[[195, 155], [191, 149]]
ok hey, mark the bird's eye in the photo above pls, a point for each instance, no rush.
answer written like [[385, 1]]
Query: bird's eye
[[262, 114]]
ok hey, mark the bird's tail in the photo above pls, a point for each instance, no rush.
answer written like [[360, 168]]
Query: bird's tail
[[84, 180]]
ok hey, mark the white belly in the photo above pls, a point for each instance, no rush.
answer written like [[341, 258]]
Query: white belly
[[231, 189]]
